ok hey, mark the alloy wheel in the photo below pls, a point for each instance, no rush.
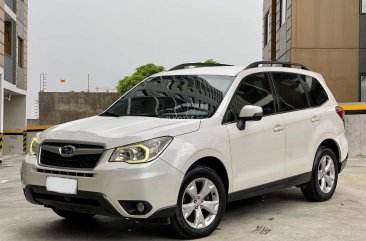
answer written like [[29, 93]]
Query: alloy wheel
[[200, 203], [326, 174]]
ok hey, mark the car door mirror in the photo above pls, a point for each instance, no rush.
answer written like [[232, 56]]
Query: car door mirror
[[249, 113]]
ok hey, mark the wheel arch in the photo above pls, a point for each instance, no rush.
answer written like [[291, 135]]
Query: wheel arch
[[216, 165]]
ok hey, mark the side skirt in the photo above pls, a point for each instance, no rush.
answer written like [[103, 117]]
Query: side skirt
[[270, 187]]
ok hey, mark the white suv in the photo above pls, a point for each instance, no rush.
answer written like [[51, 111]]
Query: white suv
[[183, 143]]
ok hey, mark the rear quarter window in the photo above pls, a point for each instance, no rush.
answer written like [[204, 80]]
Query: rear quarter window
[[316, 91]]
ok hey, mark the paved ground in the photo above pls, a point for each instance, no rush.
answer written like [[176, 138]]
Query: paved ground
[[283, 215]]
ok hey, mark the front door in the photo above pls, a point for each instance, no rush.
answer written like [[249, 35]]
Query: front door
[[258, 151]]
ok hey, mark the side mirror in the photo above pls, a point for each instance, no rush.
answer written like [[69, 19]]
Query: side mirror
[[249, 113]]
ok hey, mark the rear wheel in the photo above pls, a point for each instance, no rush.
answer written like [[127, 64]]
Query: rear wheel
[[73, 215], [324, 176], [201, 204]]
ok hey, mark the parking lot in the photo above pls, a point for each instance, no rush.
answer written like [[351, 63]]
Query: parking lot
[[284, 215]]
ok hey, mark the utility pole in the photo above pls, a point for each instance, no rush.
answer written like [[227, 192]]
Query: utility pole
[[42, 81], [88, 83]]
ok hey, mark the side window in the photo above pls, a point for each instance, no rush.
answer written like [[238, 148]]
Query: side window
[[317, 92], [253, 90], [291, 93]]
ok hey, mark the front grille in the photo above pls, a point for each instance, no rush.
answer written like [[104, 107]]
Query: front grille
[[85, 157]]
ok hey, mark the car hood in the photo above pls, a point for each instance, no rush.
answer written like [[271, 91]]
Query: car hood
[[118, 131]]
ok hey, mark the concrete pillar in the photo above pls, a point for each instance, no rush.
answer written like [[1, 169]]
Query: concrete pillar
[[14, 120]]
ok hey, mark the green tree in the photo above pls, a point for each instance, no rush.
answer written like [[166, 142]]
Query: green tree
[[140, 74], [210, 61]]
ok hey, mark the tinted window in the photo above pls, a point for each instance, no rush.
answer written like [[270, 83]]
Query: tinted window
[[291, 93], [175, 97], [253, 90], [316, 90]]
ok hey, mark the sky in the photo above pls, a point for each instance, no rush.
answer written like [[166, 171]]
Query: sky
[[108, 39]]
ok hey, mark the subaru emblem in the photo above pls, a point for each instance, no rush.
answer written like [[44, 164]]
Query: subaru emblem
[[67, 151]]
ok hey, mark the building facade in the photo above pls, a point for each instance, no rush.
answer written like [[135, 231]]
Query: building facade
[[327, 36], [13, 74]]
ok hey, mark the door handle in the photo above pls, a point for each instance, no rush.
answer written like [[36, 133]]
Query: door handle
[[278, 128], [315, 119]]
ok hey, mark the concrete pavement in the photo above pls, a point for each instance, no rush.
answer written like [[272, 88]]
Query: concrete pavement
[[283, 215]]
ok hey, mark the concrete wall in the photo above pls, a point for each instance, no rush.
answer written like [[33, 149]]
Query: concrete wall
[[57, 108], [356, 134]]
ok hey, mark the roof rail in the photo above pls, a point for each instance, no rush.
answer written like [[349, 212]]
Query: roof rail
[[184, 66], [283, 64]]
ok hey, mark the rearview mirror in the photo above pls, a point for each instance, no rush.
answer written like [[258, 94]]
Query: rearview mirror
[[249, 113]]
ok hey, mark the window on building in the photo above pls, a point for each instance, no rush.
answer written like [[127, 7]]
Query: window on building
[[363, 88], [283, 11], [20, 52], [266, 29], [291, 93], [316, 91], [7, 38]]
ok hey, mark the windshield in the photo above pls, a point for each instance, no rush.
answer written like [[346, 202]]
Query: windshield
[[175, 97]]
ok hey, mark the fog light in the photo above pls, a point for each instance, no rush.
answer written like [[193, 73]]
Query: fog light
[[140, 207]]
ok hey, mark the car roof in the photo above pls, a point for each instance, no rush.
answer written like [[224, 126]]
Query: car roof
[[217, 70]]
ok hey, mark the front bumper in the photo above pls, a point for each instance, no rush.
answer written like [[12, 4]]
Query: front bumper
[[101, 190]]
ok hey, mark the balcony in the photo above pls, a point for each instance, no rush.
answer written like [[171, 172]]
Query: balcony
[[12, 4]]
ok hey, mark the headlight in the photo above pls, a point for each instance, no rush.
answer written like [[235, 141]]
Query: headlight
[[34, 146], [142, 152]]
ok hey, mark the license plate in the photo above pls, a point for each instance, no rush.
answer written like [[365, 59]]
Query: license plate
[[61, 185]]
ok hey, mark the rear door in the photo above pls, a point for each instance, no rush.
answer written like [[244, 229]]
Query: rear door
[[302, 127]]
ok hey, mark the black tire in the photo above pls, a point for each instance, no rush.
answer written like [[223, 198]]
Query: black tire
[[312, 191], [179, 225], [73, 216]]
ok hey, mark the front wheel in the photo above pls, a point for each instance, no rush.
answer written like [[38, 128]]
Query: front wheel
[[324, 176], [201, 204]]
